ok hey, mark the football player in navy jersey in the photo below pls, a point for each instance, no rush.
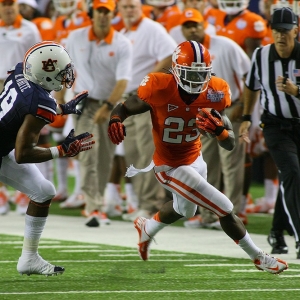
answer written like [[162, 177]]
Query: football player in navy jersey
[[26, 106]]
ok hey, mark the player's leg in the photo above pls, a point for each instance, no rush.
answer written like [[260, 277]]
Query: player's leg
[[28, 179], [187, 184]]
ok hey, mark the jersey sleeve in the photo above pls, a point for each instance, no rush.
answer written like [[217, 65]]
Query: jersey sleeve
[[145, 88], [257, 27]]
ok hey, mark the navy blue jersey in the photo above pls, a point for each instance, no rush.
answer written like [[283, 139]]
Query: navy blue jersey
[[19, 98]]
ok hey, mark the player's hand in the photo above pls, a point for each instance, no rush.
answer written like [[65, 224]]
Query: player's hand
[[70, 107], [211, 123], [116, 130], [73, 145]]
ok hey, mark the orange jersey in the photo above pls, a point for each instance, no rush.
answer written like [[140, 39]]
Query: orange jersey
[[246, 25], [45, 27], [169, 12], [175, 136], [63, 26]]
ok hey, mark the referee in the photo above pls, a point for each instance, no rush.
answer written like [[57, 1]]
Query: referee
[[275, 75]]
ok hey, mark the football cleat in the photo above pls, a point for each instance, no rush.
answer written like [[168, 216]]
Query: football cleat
[[38, 266], [273, 265], [276, 240], [144, 239]]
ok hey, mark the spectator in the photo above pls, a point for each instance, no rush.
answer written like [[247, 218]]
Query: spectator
[[103, 59]]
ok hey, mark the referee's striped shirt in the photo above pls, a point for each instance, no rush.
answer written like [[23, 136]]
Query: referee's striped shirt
[[266, 66]]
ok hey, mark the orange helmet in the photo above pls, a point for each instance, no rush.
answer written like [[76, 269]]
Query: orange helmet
[[191, 67]]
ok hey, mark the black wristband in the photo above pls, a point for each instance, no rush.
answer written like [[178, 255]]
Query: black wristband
[[109, 105], [246, 118]]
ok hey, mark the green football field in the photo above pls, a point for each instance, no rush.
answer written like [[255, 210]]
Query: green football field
[[96, 271]]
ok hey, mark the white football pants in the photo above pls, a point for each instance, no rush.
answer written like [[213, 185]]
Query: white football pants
[[26, 178], [189, 188]]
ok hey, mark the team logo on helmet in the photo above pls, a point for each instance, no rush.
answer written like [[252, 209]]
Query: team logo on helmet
[[48, 66]]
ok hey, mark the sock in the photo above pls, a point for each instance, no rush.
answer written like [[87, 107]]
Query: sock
[[271, 190], [34, 227], [153, 226], [131, 197], [248, 246], [77, 188], [61, 171], [243, 205]]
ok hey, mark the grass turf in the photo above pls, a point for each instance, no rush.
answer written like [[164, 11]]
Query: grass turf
[[96, 271]]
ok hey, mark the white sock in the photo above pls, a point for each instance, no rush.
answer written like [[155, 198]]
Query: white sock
[[34, 227], [131, 197], [271, 190], [248, 246], [61, 172], [152, 227], [77, 188], [243, 205]]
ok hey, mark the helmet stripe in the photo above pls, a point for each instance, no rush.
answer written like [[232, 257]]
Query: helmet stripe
[[198, 54]]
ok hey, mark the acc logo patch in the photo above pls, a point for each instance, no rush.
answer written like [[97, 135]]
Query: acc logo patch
[[215, 96], [48, 66]]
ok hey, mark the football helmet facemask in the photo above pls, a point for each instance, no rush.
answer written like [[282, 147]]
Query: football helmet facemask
[[65, 7], [49, 65], [191, 67], [233, 7], [160, 3]]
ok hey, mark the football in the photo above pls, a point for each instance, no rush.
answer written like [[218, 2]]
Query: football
[[205, 133]]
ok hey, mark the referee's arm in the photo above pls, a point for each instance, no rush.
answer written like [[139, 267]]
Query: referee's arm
[[250, 98]]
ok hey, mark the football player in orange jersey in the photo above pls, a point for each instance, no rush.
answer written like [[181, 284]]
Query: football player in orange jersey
[[174, 101], [161, 10], [233, 20]]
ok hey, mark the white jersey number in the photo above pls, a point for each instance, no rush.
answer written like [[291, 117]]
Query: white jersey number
[[7, 102], [177, 133]]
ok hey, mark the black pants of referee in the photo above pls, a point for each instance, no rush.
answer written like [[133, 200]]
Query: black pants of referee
[[282, 137]]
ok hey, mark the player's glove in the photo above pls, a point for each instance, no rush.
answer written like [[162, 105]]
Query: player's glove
[[73, 145], [211, 123], [70, 107], [116, 130]]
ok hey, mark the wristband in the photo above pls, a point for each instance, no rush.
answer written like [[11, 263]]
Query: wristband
[[223, 136], [246, 118], [54, 151], [109, 105]]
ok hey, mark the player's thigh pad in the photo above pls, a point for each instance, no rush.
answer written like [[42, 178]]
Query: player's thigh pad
[[27, 179]]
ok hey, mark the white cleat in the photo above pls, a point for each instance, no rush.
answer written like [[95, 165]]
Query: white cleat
[[144, 239], [273, 265], [37, 265]]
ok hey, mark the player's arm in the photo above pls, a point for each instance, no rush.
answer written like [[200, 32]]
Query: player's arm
[[229, 142], [132, 106], [27, 151]]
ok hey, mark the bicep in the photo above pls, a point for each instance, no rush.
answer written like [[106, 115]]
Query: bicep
[[29, 132]]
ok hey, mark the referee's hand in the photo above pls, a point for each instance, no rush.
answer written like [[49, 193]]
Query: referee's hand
[[286, 85], [244, 131]]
